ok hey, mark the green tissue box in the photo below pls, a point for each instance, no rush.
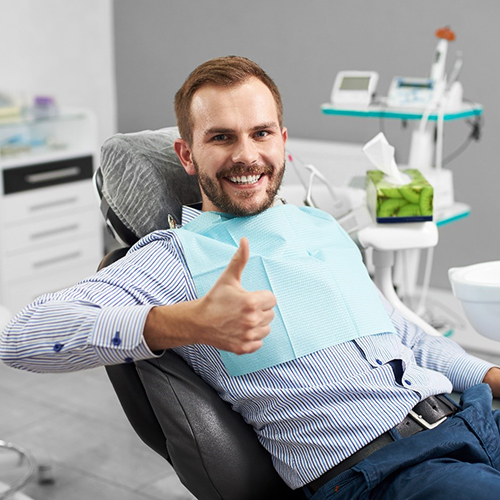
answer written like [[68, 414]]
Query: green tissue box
[[390, 203]]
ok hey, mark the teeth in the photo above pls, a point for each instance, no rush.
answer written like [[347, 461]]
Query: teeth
[[250, 179]]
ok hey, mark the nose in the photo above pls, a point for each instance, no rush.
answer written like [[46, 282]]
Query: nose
[[245, 151]]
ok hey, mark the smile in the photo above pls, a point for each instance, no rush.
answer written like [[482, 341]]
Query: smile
[[245, 179]]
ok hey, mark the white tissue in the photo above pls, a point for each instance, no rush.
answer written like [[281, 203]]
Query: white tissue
[[381, 154]]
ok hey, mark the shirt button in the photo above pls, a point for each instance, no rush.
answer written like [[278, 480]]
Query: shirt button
[[407, 382], [116, 340], [378, 361], [129, 360], [58, 347]]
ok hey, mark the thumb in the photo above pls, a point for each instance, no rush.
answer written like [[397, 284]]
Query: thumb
[[234, 269]]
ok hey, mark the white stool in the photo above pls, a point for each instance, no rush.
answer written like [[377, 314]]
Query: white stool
[[25, 461], [23, 457]]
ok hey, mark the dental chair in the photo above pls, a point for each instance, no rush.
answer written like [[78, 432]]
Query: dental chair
[[216, 455]]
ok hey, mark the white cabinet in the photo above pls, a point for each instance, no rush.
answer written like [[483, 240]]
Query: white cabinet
[[51, 231]]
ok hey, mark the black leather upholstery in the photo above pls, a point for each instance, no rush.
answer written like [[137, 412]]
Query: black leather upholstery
[[214, 452], [216, 455]]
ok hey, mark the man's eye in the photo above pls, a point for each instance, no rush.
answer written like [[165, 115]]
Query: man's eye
[[262, 133], [219, 137]]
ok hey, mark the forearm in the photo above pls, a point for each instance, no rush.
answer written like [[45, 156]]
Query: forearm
[[44, 335], [439, 353], [447, 357], [101, 320], [67, 336]]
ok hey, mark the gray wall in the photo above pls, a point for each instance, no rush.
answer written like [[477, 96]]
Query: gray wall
[[302, 45]]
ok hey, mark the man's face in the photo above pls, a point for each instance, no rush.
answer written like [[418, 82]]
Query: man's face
[[238, 149]]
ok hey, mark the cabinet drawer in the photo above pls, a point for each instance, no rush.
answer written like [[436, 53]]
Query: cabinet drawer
[[51, 231], [42, 175], [52, 260], [48, 202], [20, 293]]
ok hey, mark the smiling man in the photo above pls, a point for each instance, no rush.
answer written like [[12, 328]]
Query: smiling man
[[344, 393], [237, 145]]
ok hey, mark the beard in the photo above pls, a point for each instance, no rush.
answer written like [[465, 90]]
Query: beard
[[213, 190]]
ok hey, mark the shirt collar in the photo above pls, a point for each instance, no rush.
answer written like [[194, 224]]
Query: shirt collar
[[188, 214]]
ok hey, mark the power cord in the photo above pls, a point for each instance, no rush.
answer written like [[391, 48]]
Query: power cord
[[476, 126]]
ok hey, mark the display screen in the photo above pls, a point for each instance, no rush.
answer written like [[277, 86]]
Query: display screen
[[355, 83], [415, 85]]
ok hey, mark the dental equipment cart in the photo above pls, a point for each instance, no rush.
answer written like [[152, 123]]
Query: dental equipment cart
[[449, 211]]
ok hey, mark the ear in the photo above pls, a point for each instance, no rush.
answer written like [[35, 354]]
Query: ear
[[184, 153], [284, 134]]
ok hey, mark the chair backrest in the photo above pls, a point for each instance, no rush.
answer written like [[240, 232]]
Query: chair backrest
[[142, 184], [213, 451]]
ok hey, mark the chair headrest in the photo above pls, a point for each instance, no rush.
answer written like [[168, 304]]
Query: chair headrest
[[143, 183]]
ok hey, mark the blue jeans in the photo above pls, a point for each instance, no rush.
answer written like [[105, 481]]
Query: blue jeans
[[460, 459]]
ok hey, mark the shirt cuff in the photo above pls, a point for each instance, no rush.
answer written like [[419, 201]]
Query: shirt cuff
[[466, 371], [118, 335]]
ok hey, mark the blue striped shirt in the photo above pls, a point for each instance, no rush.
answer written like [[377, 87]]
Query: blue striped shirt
[[310, 413]]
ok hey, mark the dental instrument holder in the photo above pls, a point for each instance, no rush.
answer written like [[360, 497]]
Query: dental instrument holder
[[385, 240], [340, 207], [446, 99], [351, 214]]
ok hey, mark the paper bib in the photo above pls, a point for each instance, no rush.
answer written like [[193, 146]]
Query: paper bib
[[324, 293]]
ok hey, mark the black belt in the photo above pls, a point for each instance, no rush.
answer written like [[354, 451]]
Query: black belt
[[426, 415]]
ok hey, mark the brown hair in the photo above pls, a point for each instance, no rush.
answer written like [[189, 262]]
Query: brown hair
[[225, 71]]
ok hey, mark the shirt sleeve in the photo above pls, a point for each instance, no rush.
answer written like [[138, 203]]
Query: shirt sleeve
[[440, 354], [99, 321]]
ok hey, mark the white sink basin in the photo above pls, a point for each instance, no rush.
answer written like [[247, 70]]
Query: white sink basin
[[478, 289]]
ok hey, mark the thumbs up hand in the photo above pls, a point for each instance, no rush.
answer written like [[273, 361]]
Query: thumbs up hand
[[227, 317], [236, 320]]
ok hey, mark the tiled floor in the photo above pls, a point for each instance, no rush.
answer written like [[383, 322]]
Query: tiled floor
[[75, 422]]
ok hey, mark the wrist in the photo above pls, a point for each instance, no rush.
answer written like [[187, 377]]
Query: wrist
[[492, 378], [170, 326]]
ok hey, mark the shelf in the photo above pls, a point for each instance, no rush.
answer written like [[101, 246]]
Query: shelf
[[451, 214], [44, 155], [29, 140], [22, 121], [379, 111]]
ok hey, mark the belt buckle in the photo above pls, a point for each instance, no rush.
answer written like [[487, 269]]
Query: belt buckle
[[426, 425]]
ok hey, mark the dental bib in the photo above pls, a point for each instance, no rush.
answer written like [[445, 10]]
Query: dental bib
[[324, 293]]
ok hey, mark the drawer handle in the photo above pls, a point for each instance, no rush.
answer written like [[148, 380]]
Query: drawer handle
[[56, 260], [54, 174], [52, 232], [51, 204]]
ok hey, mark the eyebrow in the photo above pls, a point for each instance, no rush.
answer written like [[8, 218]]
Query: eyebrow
[[220, 130]]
